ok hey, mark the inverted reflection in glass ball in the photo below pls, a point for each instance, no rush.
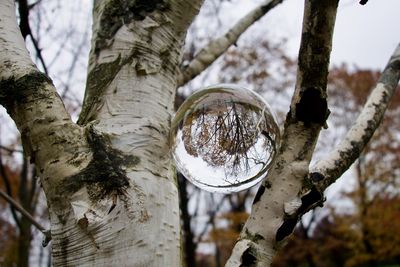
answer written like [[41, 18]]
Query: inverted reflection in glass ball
[[224, 138]]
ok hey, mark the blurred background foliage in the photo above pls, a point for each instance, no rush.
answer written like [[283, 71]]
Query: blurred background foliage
[[359, 224]]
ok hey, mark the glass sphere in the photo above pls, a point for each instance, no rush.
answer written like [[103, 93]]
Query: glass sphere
[[224, 138]]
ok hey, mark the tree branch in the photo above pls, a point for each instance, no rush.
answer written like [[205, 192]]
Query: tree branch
[[326, 171], [217, 47], [26, 214], [10, 150], [277, 202], [49, 137], [25, 27], [7, 184], [29, 95]]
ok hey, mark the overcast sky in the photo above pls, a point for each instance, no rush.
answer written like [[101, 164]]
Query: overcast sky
[[364, 35]]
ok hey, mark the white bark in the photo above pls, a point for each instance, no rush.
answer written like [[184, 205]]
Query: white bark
[[14, 58], [130, 103]]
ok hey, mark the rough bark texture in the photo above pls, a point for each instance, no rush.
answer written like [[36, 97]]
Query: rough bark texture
[[274, 211], [136, 47], [109, 181]]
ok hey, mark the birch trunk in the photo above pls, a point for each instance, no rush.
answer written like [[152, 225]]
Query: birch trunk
[[109, 181]]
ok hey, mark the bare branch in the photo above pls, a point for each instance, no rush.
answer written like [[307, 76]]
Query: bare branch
[[10, 150], [39, 53], [326, 171], [25, 27], [23, 212], [218, 46]]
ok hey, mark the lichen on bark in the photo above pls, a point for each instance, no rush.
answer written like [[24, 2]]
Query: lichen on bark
[[18, 90], [97, 81], [106, 173]]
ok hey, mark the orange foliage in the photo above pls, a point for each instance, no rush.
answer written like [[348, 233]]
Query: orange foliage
[[340, 239], [8, 243]]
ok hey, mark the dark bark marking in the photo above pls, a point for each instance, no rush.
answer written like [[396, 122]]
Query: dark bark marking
[[248, 258], [316, 177], [120, 12], [253, 237], [260, 192], [391, 74], [285, 229], [97, 81], [363, 2], [104, 175], [289, 223], [268, 7], [308, 200], [63, 252], [316, 41], [14, 91], [305, 150], [313, 107]]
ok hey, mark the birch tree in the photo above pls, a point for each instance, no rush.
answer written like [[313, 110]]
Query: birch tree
[[109, 179]]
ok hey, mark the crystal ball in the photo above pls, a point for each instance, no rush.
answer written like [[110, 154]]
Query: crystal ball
[[224, 138]]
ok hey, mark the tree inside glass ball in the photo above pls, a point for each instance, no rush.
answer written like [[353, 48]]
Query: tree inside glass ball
[[224, 138]]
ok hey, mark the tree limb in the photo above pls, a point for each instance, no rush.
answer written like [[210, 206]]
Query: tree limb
[[326, 171], [218, 46], [29, 95], [49, 137], [275, 207]]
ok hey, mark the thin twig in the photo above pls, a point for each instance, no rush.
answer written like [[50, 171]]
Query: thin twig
[[39, 53], [17, 206], [10, 150], [25, 27], [23, 212]]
